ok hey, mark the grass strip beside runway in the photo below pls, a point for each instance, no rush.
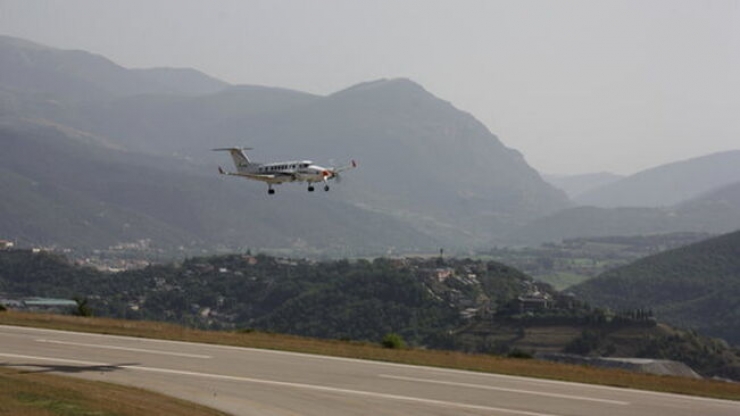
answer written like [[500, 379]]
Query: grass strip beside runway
[[433, 358]]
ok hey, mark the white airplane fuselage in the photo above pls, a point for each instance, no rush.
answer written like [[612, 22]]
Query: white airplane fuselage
[[291, 171]]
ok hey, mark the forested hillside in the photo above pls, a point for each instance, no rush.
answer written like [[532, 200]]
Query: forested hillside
[[696, 286], [420, 299], [468, 305]]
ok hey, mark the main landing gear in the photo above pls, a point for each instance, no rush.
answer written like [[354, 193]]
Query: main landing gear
[[311, 188], [270, 191]]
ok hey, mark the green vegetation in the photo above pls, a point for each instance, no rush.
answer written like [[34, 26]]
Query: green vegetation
[[697, 287], [393, 341], [453, 304], [82, 308], [25, 393], [420, 300]]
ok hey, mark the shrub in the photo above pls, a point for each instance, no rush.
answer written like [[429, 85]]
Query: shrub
[[517, 353], [82, 308], [393, 341]]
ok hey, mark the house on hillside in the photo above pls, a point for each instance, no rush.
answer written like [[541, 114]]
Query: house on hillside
[[443, 274], [535, 302]]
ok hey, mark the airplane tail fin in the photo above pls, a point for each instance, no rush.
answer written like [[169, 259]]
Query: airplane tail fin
[[241, 161]]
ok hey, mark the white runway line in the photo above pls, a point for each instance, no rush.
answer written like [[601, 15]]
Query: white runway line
[[328, 389], [112, 347], [508, 390]]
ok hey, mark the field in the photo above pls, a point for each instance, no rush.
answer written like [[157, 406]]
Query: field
[[446, 359]]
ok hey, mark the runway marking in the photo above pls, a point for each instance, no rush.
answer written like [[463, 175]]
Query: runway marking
[[112, 347], [508, 390], [647, 393], [291, 385]]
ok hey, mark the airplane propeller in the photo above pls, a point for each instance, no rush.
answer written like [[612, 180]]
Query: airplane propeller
[[333, 172]]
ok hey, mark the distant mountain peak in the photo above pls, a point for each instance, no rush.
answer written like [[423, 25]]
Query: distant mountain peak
[[383, 84], [20, 43]]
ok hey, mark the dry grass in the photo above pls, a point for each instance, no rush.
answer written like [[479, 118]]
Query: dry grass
[[32, 394], [446, 359]]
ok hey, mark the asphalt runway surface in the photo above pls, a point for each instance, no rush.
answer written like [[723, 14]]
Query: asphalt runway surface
[[243, 381]]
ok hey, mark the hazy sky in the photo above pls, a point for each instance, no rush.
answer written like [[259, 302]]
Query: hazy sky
[[576, 86]]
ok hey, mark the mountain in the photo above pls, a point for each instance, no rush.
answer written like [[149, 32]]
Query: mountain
[[669, 184], [186, 81], [416, 152], [696, 286], [54, 74], [717, 210], [61, 189], [425, 166], [186, 126], [575, 185], [714, 212]]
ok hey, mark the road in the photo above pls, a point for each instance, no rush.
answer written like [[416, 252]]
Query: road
[[244, 381]]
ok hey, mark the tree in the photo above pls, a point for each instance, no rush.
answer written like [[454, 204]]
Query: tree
[[393, 341], [82, 309]]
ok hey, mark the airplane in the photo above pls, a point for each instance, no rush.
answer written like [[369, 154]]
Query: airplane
[[281, 172]]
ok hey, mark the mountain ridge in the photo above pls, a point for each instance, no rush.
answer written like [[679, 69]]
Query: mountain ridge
[[668, 184], [79, 75], [421, 159]]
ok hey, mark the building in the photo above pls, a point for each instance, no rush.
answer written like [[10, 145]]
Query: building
[[48, 305]]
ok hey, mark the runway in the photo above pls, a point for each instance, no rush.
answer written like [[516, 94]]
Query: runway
[[244, 381]]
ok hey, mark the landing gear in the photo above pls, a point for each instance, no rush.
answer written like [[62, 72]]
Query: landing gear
[[310, 188], [326, 188], [270, 191]]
